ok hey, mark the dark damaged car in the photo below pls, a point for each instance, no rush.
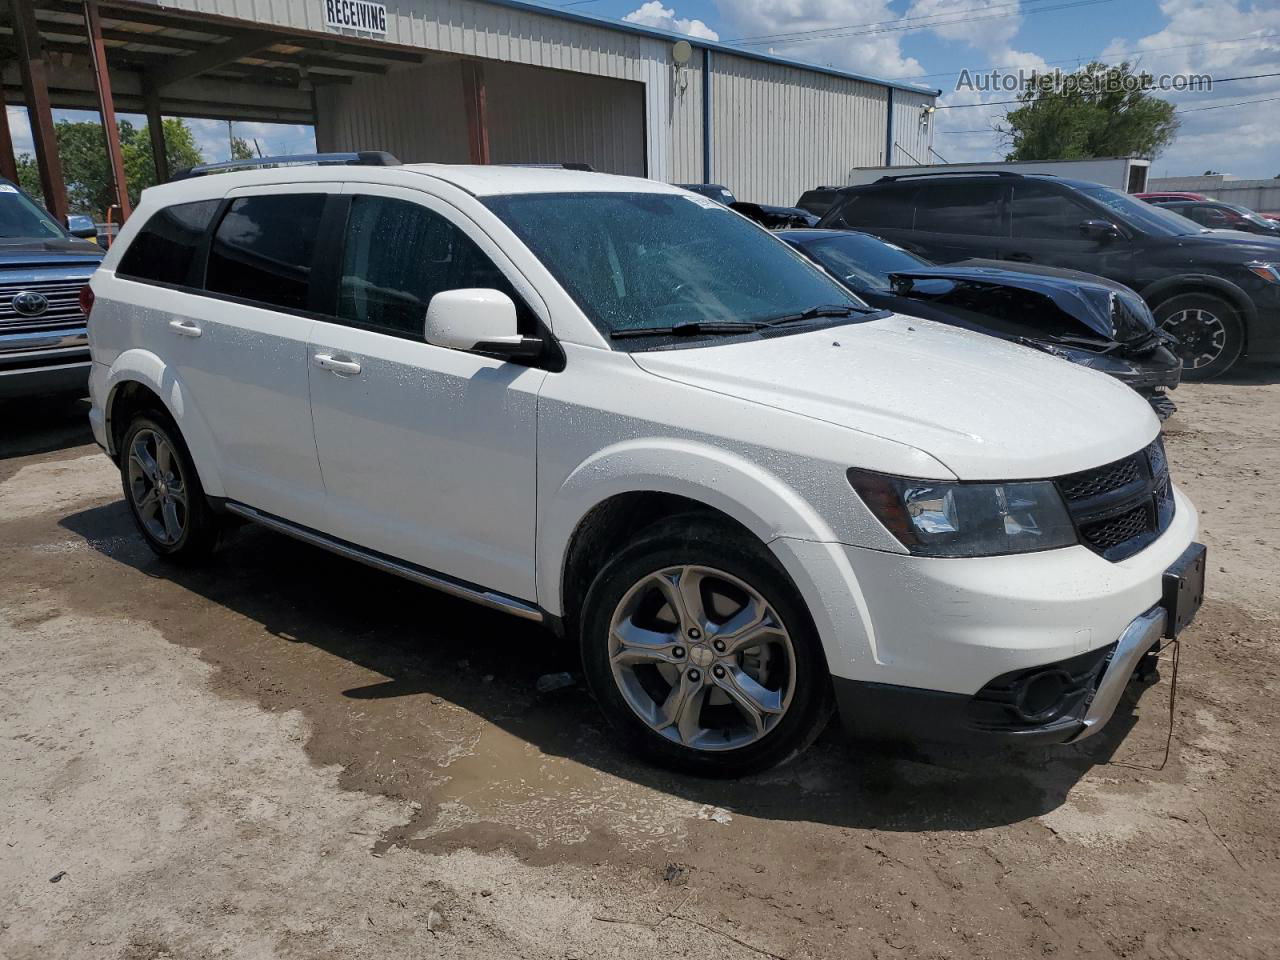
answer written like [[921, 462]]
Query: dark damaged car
[[44, 270], [1076, 316]]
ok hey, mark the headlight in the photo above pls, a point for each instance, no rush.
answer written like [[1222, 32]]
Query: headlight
[[939, 518], [1269, 272]]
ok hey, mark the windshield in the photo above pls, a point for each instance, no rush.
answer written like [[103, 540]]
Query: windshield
[[20, 219], [637, 261], [864, 262], [1140, 215]]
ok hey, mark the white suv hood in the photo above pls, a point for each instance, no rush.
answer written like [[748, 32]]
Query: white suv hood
[[987, 409]]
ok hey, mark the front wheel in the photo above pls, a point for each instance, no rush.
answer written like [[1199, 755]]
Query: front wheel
[[1210, 333], [701, 653]]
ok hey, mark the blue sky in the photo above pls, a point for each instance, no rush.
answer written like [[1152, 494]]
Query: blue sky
[[947, 36]]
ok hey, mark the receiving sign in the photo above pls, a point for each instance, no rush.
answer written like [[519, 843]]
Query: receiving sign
[[356, 15]]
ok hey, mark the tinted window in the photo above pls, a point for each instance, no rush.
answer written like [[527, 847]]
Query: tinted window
[[635, 261], [1136, 214], [397, 256], [21, 218], [263, 247], [166, 246], [863, 262], [1041, 212], [961, 206], [877, 208]]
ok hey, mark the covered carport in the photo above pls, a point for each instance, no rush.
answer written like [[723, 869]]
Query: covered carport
[[130, 57]]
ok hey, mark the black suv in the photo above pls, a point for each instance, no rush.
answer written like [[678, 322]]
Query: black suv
[[44, 346], [1217, 291]]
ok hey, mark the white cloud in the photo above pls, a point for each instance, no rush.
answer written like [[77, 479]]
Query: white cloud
[[654, 14]]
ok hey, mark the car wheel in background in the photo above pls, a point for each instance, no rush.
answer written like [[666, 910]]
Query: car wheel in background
[[701, 653], [164, 492], [1210, 333]]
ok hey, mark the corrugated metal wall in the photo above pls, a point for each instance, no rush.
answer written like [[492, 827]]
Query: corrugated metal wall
[[911, 138], [685, 123], [779, 130], [535, 116]]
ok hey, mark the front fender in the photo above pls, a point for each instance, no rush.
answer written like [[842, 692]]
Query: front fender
[[144, 367], [1189, 282]]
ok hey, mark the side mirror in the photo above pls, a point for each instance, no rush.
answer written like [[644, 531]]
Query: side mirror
[[1100, 230], [481, 321]]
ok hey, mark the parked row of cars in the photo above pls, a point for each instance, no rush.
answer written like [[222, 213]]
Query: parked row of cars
[[750, 491]]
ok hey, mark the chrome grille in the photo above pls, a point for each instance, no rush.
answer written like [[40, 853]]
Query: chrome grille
[[63, 296]]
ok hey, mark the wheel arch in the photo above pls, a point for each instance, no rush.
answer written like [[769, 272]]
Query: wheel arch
[[139, 379], [1156, 293], [629, 486]]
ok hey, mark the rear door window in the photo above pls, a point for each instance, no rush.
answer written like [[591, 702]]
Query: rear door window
[[1042, 213], [263, 249], [961, 207], [397, 255], [889, 208], [164, 250]]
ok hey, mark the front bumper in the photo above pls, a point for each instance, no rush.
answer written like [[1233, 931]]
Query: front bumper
[[65, 377], [885, 712]]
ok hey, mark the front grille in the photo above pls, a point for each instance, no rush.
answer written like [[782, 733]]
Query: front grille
[[62, 296], [1121, 507]]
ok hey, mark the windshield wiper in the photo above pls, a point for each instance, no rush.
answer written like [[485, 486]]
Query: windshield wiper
[[689, 328], [815, 313]]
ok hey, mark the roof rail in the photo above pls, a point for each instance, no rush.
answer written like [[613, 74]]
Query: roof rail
[[957, 173], [584, 167], [363, 158]]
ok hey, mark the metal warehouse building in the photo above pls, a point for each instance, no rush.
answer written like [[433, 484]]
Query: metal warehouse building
[[474, 80]]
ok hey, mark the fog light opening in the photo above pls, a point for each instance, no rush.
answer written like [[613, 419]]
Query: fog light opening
[[1042, 696]]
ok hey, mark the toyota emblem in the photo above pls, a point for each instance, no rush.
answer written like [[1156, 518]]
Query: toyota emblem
[[28, 303]]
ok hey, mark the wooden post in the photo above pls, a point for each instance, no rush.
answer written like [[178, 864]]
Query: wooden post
[[8, 162], [106, 105], [155, 129], [35, 87], [473, 96]]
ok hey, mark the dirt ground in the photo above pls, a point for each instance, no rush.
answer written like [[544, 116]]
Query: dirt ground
[[287, 755]]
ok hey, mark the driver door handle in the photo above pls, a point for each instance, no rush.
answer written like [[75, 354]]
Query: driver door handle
[[184, 328], [326, 361]]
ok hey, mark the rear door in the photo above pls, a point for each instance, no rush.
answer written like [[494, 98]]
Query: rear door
[[245, 343], [428, 453], [957, 219]]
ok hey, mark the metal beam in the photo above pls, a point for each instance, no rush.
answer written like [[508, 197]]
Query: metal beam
[[473, 96], [155, 129], [35, 88], [216, 55], [8, 162], [106, 106]]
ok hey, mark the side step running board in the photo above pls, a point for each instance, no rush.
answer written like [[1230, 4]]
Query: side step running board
[[436, 581]]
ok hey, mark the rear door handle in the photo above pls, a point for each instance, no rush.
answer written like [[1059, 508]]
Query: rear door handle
[[184, 328], [326, 361], [1018, 257]]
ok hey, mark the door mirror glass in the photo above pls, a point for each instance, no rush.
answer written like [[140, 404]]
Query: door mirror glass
[[483, 321], [1101, 230]]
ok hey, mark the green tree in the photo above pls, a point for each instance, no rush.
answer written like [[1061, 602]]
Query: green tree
[[240, 149], [1098, 111], [87, 171]]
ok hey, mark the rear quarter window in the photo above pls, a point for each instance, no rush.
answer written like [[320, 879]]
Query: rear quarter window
[[165, 249], [886, 208]]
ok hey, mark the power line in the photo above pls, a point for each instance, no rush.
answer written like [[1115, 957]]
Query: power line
[[873, 23], [1118, 53], [912, 27], [1223, 106]]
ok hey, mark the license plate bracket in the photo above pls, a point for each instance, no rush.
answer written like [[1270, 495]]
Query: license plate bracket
[[1184, 589]]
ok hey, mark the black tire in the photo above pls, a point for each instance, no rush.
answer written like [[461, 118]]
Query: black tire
[[199, 525], [1211, 330], [696, 540]]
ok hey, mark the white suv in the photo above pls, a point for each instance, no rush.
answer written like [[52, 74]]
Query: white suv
[[627, 412]]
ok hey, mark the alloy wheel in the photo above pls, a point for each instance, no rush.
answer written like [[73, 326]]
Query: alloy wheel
[[702, 658], [157, 487], [1202, 336]]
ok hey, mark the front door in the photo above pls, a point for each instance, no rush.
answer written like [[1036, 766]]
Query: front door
[[1046, 231], [428, 453]]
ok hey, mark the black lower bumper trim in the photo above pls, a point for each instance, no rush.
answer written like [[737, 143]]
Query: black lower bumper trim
[[882, 711]]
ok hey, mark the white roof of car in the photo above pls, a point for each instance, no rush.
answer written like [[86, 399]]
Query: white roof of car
[[495, 179]]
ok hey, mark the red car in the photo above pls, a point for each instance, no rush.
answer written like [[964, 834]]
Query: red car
[[1162, 197]]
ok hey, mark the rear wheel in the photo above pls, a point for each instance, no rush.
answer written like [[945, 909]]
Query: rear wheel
[[1210, 333], [164, 491], [701, 654]]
